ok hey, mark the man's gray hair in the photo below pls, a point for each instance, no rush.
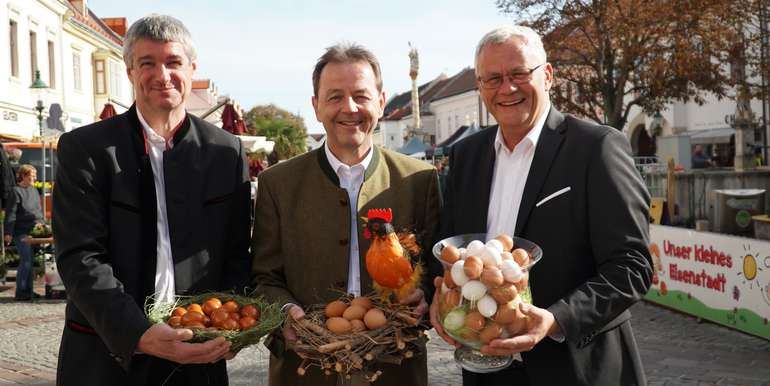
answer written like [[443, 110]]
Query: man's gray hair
[[160, 28], [505, 33]]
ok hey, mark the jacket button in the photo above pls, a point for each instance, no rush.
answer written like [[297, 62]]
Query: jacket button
[[344, 202], [344, 242]]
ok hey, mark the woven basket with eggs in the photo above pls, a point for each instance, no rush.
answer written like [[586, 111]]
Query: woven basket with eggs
[[353, 335], [241, 320]]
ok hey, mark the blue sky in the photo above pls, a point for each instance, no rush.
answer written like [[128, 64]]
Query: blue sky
[[263, 52]]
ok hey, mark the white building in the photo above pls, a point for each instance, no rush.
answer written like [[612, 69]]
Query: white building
[[78, 56]]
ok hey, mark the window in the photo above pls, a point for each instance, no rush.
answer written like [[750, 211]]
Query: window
[[99, 69], [13, 37], [51, 65], [115, 88], [76, 71], [33, 54]]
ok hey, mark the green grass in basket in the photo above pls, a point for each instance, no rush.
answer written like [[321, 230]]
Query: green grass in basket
[[270, 317]]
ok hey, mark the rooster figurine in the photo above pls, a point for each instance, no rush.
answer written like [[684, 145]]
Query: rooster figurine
[[387, 261]]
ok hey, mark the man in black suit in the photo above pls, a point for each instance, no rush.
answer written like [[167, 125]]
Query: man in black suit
[[152, 201], [571, 187]]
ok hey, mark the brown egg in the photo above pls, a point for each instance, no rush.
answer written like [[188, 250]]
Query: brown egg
[[491, 331], [362, 301], [231, 306], [470, 335], [357, 325], [234, 316], [506, 256], [521, 257], [374, 319], [354, 312], [522, 284], [247, 322], [449, 300], [192, 317], [450, 254], [504, 293], [339, 326], [179, 311], [230, 324], [210, 305], [518, 325], [218, 316], [492, 277], [473, 267], [448, 280], [175, 321], [335, 309], [195, 307], [195, 326], [475, 321], [506, 240], [506, 312]]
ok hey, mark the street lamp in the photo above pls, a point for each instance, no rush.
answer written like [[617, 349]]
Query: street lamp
[[38, 85]]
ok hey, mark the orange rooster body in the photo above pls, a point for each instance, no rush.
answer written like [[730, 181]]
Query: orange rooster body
[[387, 261]]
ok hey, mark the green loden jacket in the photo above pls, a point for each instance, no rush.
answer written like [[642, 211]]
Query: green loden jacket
[[301, 247]]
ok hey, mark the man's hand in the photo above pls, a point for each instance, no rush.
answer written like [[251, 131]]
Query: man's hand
[[434, 314], [165, 342], [417, 300], [540, 323], [289, 335]]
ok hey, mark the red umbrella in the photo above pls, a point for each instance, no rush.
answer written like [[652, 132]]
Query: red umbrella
[[108, 111], [240, 127], [229, 116]]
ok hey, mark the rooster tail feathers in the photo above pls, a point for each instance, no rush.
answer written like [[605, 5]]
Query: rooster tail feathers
[[414, 282]]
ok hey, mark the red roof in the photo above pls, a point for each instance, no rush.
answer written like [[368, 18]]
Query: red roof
[[201, 84], [95, 24]]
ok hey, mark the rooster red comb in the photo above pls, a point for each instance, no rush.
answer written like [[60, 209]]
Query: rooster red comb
[[383, 214]]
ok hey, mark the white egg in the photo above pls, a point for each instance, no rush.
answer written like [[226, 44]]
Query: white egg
[[458, 273], [496, 244], [491, 257], [509, 264], [513, 274], [475, 248], [464, 253], [444, 288], [487, 306], [474, 290]]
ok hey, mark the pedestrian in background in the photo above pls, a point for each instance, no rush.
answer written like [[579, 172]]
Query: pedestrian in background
[[22, 212]]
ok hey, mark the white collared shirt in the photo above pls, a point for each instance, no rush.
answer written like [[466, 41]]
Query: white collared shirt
[[165, 289], [511, 172], [351, 179]]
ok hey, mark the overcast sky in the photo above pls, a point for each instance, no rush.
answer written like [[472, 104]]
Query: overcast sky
[[260, 51]]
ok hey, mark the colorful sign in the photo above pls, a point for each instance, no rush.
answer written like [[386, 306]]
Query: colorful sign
[[722, 278]]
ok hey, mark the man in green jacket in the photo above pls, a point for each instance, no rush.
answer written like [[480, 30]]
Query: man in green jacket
[[308, 237]]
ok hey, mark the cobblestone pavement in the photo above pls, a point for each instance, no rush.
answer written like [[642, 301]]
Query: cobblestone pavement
[[676, 349]]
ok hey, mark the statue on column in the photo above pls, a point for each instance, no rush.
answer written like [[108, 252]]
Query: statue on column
[[414, 65]]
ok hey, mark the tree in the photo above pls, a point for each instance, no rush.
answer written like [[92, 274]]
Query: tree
[[612, 55], [287, 130]]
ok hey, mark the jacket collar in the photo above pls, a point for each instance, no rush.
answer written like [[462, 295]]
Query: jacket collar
[[332, 175]]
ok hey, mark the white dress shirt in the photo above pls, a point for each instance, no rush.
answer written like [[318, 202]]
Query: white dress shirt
[[351, 179], [165, 289], [511, 171]]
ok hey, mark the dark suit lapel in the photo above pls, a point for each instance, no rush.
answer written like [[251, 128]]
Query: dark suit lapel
[[486, 172], [548, 145]]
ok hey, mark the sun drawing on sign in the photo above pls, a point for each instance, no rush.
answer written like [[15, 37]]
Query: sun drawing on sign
[[750, 268]]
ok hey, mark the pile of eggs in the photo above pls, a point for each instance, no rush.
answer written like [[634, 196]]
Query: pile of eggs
[[357, 316], [215, 315], [482, 288]]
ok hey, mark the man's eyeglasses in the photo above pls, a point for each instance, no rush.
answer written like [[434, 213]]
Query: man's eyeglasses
[[517, 77]]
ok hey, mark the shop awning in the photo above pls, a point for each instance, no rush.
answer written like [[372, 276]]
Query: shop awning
[[711, 136]]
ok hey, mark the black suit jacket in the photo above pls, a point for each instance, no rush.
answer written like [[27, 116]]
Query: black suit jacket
[[594, 238], [104, 223]]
